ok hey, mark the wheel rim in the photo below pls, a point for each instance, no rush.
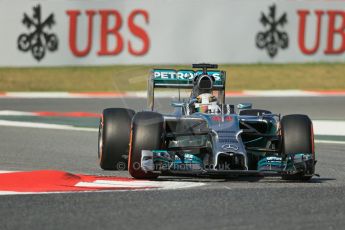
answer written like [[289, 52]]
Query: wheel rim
[[100, 142]]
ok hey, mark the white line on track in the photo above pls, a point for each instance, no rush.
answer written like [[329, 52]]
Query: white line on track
[[321, 127], [139, 184], [25, 124], [324, 127], [65, 192], [330, 142], [167, 94], [113, 184], [109, 185], [333, 128], [3, 171], [38, 95], [15, 113], [279, 93]]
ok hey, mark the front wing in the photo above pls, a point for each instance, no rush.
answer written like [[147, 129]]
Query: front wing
[[160, 161]]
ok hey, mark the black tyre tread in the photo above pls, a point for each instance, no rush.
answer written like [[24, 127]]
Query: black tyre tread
[[146, 134], [116, 130], [296, 132], [297, 136]]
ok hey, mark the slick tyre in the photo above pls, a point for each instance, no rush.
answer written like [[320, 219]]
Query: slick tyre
[[146, 134], [113, 138], [297, 137]]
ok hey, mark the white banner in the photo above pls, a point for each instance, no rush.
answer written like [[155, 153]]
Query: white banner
[[108, 32]]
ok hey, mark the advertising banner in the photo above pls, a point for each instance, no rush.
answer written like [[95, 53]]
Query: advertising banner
[[116, 32]]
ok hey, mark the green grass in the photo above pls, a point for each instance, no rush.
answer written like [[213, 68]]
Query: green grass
[[316, 76]]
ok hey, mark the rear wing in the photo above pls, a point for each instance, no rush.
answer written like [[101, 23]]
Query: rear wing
[[182, 79]]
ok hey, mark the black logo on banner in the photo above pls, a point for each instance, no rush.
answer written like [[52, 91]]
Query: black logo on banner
[[38, 39], [272, 38]]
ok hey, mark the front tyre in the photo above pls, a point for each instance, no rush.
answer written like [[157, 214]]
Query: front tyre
[[146, 134], [298, 137], [113, 138]]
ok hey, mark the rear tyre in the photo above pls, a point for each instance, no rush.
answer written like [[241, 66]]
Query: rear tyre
[[113, 138], [298, 137], [146, 134]]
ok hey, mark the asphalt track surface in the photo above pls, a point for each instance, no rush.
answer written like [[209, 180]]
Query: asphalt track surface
[[235, 203]]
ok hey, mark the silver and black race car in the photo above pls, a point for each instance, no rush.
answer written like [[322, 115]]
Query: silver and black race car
[[204, 135]]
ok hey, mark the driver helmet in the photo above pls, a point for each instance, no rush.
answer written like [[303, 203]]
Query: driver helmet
[[206, 103]]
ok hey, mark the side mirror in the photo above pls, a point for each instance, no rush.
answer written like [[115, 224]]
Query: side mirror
[[244, 106]]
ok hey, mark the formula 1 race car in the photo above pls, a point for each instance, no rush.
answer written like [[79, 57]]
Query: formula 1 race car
[[204, 135]]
